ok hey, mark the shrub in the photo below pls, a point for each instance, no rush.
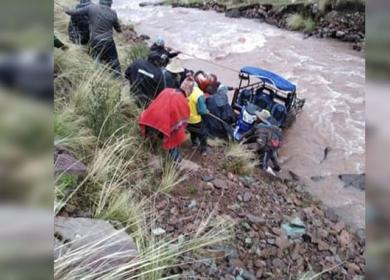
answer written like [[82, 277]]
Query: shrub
[[137, 51], [310, 25], [295, 22], [239, 160]]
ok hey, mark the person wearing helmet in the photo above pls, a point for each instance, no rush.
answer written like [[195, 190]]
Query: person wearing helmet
[[102, 21], [165, 53], [78, 28], [208, 83], [146, 79]]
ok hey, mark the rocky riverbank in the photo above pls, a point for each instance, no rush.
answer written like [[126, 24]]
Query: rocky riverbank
[[345, 22], [280, 230]]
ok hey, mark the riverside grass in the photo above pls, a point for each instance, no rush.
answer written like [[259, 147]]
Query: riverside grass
[[96, 121], [239, 160]]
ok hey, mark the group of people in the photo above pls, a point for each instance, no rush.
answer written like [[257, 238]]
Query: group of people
[[174, 99]]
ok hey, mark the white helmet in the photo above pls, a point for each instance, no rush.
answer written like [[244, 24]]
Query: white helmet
[[160, 41]]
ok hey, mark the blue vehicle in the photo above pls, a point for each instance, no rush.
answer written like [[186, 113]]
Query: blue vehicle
[[268, 91]]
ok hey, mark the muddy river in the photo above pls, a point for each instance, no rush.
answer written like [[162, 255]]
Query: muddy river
[[328, 74]]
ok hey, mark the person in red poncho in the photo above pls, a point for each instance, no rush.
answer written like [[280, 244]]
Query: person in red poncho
[[166, 117]]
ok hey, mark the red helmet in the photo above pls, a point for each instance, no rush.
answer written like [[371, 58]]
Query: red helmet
[[204, 80]]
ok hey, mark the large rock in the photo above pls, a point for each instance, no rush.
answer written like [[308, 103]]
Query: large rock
[[97, 243], [233, 13], [65, 162], [353, 180]]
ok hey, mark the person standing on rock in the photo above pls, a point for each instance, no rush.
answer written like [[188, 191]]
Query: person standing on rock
[[166, 118], [268, 139], [102, 21], [78, 28], [146, 79], [196, 125]]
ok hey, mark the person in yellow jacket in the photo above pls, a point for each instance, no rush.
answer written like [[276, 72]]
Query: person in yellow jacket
[[196, 127]]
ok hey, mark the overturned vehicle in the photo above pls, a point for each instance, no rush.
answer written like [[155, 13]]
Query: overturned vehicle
[[260, 89]]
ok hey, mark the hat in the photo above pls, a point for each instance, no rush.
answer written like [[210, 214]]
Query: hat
[[174, 66], [187, 85], [105, 2], [263, 115]]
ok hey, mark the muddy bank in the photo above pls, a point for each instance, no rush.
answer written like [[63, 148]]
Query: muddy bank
[[342, 22]]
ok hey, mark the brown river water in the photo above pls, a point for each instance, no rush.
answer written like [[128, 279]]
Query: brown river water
[[328, 74]]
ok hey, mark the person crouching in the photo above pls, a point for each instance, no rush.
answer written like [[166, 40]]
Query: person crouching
[[166, 118], [196, 126]]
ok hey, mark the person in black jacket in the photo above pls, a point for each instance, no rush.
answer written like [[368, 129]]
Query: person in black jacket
[[165, 53], [218, 105], [78, 28], [146, 79], [102, 21]]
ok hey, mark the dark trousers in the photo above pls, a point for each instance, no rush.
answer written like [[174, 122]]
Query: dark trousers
[[198, 132], [105, 52], [157, 139], [267, 155]]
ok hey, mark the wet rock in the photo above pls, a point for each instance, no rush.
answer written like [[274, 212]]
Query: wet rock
[[317, 178], [331, 215], [294, 176], [246, 226], [237, 263], [340, 34], [247, 181], [260, 263], [353, 180], [67, 163], [344, 238], [193, 204], [234, 207], [259, 273], [146, 4], [255, 220], [208, 178], [282, 242], [115, 246], [352, 268], [247, 196], [233, 13], [278, 263], [248, 241], [339, 226], [246, 275], [190, 166], [294, 227], [144, 37], [220, 184], [158, 231]]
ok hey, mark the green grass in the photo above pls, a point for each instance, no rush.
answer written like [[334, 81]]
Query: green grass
[[239, 160], [299, 22]]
